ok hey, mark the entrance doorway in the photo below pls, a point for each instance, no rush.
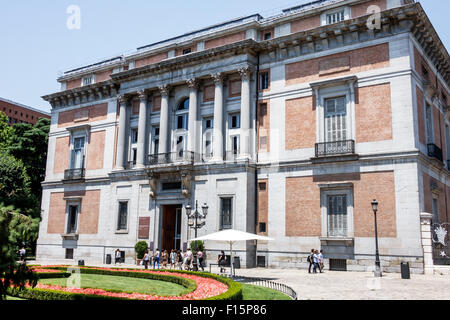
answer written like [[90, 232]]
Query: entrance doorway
[[171, 227]]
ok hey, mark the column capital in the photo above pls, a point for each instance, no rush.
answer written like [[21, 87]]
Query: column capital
[[245, 72], [164, 89], [142, 94], [192, 83], [122, 99], [217, 78], [426, 218]]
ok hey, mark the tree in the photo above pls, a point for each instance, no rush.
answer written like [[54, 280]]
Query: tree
[[29, 144], [15, 230], [15, 185], [5, 131], [200, 245]]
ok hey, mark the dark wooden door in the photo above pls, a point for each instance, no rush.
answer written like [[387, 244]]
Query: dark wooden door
[[168, 228]]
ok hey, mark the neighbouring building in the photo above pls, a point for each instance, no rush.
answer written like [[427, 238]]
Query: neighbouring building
[[287, 126], [19, 113]]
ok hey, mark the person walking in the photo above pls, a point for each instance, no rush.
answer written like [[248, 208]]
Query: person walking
[[156, 258], [118, 257], [180, 260], [22, 253], [200, 259], [146, 259], [221, 261], [173, 256], [188, 259], [310, 259], [316, 261], [321, 265], [165, 258]]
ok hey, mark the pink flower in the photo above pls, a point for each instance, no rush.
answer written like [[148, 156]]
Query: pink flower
[[206, 288]]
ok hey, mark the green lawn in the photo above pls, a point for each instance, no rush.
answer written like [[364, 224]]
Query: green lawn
[[252, 292], [13, 298], [125, 284]]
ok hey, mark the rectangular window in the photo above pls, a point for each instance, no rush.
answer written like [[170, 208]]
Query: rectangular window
[[262, 227], [226, 213], [72, 219], [182, 121], [88, 80], [155, 138], [262, 186], [335, 119], [208, 136], [435, 210], [78, 153], [337, 215], [267, 36], [187, 51], [235, 121], [429, 123], [234, 145], [335, 17], [123, 213], [165, 186], [264, 80], [69, 253], [134, 135]]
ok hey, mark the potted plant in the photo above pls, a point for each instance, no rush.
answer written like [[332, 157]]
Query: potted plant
[[140, 248]]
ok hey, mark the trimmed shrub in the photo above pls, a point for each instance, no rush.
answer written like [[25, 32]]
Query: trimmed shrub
[[140, 248]]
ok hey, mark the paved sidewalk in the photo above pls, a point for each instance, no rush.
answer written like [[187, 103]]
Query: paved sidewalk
[[333, 285]]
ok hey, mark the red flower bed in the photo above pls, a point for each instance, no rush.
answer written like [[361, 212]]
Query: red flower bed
[[206, 287]]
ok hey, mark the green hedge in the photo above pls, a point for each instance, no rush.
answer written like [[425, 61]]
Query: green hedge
[[234, 291], [44, 294]]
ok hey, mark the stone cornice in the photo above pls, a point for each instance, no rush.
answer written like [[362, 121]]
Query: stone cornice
[[409, 18], [85, 94], [431, 44], [243, 46]]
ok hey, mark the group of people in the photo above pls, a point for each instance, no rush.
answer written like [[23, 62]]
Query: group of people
[[315, 260], [176, 259]]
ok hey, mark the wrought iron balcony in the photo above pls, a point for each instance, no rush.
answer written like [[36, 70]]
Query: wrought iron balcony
[[74, 174], [181, 156], [435, 152], [335, 148]]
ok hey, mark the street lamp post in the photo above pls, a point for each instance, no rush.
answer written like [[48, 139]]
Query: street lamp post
[[377, 255], [193, 218]]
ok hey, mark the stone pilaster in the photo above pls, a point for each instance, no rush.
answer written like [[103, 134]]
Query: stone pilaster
[[142, 128], [218, 132], [427, 243], [164, 120], [193, 111], [120, 157], [245, 112]]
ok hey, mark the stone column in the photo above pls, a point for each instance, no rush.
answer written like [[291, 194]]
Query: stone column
[[120, 157], [218, 132], [164, 120], [193, 106], [245, 112], [142, 129], [427, 243]]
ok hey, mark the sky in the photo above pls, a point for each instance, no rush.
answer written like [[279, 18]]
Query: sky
[[36, 44]]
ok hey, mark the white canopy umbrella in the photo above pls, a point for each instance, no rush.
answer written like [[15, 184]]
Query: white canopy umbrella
[[231, 236]]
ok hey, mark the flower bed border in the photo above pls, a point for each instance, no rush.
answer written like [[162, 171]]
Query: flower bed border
[[234, 291]]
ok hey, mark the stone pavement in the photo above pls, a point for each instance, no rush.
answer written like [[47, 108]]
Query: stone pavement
[[334, 285]]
